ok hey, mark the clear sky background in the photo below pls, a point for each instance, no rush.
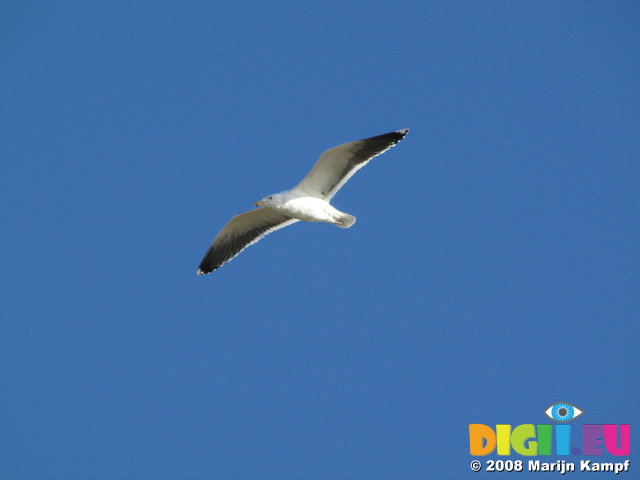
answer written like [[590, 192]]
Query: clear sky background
[[492, 272]]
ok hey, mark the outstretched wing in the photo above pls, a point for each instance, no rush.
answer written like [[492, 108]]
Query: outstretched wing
[[241, 231], [336, 165]]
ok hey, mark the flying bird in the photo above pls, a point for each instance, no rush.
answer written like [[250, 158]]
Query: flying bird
[[308, 201]]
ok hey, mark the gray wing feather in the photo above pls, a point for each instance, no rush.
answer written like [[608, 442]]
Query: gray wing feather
[[338, 164], [240, 232]]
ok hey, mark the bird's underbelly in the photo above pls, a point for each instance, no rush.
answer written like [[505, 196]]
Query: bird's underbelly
[[310, 209]]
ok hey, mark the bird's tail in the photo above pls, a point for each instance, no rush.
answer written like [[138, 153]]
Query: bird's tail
[[345, 220]]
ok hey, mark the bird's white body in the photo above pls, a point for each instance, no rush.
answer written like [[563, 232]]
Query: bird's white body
[[299, 205]]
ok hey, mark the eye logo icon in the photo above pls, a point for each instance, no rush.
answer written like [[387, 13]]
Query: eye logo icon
[[563, 412]]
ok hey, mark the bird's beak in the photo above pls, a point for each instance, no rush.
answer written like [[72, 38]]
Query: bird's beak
[[259, 203]]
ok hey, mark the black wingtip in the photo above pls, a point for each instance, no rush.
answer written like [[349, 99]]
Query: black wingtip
[[394, 137], [206, 268], [397, 135], [208, 263], [400, 134]]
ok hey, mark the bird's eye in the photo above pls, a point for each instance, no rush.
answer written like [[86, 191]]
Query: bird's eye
[[562, 412]]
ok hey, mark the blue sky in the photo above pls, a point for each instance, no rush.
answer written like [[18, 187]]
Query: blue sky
[[492, 272]]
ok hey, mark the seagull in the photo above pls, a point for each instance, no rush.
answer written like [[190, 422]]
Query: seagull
[[308, 201]]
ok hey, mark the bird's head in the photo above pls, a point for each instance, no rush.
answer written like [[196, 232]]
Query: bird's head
[[268, 201]]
